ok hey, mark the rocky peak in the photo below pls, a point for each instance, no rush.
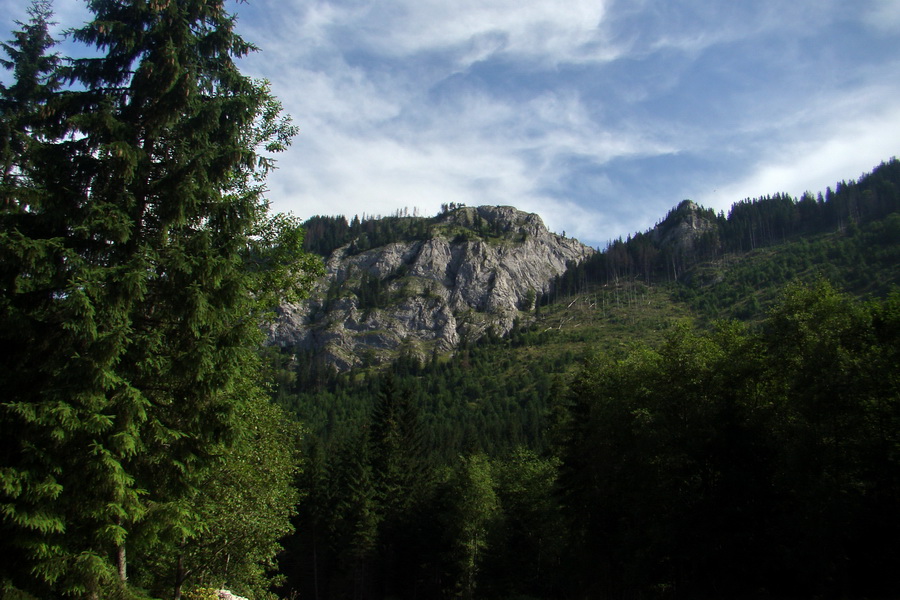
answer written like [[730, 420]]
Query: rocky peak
[[477, 268], [505, 219], [683, 226]]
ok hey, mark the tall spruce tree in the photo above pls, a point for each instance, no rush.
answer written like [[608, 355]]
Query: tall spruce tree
[[36, 77], [136, 259], [32, 267], [402, 481]]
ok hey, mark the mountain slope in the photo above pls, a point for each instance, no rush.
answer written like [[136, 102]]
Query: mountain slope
[[497, 393], [788, 415]]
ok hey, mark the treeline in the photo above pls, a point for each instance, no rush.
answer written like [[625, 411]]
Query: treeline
[[715, 464], [864, 260], [325, 234], [659, 255]]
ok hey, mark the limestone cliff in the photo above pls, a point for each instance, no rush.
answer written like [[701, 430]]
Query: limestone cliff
[[475, 269]]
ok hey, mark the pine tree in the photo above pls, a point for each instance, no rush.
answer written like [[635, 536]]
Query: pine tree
[[396, 450], [36, 76], [354, 516]]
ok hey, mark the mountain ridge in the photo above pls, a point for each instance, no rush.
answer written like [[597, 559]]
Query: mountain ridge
[[423, 285]]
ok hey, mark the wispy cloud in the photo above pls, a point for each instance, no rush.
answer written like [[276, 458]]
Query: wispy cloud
[[474, 29], [816, 157], [476, 150], [882, 15], [422, 134], [599, 115]]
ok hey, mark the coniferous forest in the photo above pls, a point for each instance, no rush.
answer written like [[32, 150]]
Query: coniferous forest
[[712, 419]]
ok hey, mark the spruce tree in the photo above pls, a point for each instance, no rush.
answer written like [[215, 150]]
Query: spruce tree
[[402, 481], [36, 76], [136, 259], [32, 260]]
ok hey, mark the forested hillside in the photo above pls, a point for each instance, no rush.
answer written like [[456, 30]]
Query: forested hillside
[[751, 226], [623, 429], [607, 302], [513, 470]]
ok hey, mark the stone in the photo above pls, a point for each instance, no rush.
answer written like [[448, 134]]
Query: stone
[[469, 276]]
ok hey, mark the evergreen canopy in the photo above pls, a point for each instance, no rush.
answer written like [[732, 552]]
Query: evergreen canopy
[[137, 259]]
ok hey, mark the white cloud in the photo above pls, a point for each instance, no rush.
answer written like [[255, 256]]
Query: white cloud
[[883, 15], [344, 96], [818, 158], [541, 28], [546, 105], [379, 175], [476, 150], [466, 31]]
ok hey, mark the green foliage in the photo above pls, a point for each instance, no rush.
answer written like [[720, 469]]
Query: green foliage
[[137, 260], [275, 258], [201, 594], [524, 552], [865, 263], [708, 462], [472, 511], [381, 517], [760, 445], [327, 234], [240, 508], [493, 396], [756, 226]]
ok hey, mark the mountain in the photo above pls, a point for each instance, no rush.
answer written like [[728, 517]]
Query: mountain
[[495, 391], [422, 286], [715, 382], [443, 280]]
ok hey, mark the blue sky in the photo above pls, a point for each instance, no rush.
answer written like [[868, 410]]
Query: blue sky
[[598, 115]]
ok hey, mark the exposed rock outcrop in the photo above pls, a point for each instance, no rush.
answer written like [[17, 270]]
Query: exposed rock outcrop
[[475, 270], [683, 226]]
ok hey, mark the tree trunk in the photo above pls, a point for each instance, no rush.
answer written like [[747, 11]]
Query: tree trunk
[[121, 564], [179, 577], [315, 564]]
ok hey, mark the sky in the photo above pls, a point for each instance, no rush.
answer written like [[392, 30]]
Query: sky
[[599, 115]]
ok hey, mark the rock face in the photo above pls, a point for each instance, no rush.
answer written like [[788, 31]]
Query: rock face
[[684, 226], [476, 269]]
